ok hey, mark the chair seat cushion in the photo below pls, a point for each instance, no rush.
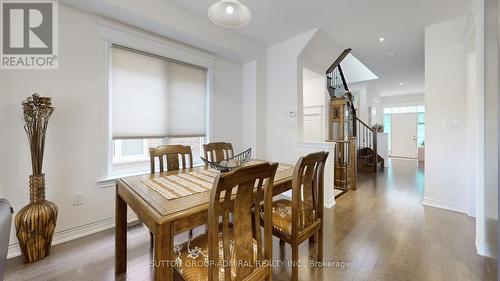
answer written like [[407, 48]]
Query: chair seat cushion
[[192, 257], [282, 216]]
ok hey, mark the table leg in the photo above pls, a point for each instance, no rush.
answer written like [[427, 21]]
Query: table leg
[[120, 234], [163, 248]]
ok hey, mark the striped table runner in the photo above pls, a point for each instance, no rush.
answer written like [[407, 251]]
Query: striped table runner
[[180, 185]]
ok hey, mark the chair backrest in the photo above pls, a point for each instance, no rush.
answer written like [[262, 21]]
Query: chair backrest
[[307, 191], [241, 192], [5, 223], [172, 153], [218, 151]]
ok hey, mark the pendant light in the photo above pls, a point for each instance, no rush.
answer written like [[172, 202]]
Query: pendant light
[[229, 13]]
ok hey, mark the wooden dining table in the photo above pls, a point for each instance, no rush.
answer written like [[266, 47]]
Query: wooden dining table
[[165, 217]]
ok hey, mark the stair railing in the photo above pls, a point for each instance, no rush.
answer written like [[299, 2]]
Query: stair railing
[[343, 153], [367, 138], [345, 164]]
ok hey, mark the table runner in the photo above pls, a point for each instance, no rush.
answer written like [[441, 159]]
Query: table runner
[[185, 184]]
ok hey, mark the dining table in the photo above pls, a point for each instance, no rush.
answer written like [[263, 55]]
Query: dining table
[[170, 203]]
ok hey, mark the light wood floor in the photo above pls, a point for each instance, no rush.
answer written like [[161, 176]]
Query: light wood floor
[[381, 229]]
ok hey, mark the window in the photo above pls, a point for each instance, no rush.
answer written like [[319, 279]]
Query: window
[[129, 150], [404, 109], [133, 155], [154, 101]]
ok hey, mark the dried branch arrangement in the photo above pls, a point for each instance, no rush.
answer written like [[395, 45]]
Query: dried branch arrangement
[[37, 111], [36, 222]]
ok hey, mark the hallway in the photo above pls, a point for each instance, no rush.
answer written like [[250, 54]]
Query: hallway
[[379, 232], [388, 235]]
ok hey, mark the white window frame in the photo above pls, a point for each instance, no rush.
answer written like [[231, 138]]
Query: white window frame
[[404, 109], [112, 33]]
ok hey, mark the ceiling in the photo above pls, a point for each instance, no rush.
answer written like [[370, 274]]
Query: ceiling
[[356, 24]]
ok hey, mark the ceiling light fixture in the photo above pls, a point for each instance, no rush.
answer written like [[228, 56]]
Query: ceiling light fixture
[[401, 84], [381, 39], [229, 10], [229, 13]]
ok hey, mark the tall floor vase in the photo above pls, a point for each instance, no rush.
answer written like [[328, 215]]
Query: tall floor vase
[[35, 223]]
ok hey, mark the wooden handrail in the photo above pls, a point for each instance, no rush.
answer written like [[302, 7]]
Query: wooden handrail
[[361, 121], [372, 141], [338, 60]]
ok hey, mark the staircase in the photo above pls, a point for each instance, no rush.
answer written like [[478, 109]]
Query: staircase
[[368, 159], [356, 142]]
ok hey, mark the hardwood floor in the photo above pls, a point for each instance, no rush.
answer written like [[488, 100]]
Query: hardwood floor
[[381, 231]]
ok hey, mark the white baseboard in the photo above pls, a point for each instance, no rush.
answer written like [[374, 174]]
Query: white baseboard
[[490, 251], [74, 233], [446, 205], [329, 203], [487, 250]]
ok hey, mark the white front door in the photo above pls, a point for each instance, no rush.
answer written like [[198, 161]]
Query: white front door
[[404, 135]]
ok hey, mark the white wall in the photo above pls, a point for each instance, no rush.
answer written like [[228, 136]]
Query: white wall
[[403, 100], [228, 103], [479, 38], [284, 78], [254, 106], [360, 93], [314, 97], [314, 92], [76, 138], [249, 105], [377, 109], [445, 101], [363, 105]]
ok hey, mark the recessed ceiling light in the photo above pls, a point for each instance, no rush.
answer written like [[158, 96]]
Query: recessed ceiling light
[[229, 13], [381, 39], [390, 55], [401, 84]]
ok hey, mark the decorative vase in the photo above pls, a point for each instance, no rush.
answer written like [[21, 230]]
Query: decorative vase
[[35, 223]]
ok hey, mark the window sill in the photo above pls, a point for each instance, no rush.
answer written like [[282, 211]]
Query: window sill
[[130, 161], [117, 176], [110, 180]]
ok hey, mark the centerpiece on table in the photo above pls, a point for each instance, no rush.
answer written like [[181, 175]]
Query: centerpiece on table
[[35, 223], [230, 164]]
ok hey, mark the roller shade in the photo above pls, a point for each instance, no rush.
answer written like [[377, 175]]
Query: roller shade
[[155, 97]]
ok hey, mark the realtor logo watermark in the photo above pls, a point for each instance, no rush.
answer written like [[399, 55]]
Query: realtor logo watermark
[[29, 34]]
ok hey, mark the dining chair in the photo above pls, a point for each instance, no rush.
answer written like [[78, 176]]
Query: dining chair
[[301, 218], [233, 250], [218, 151], [172, 154]]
